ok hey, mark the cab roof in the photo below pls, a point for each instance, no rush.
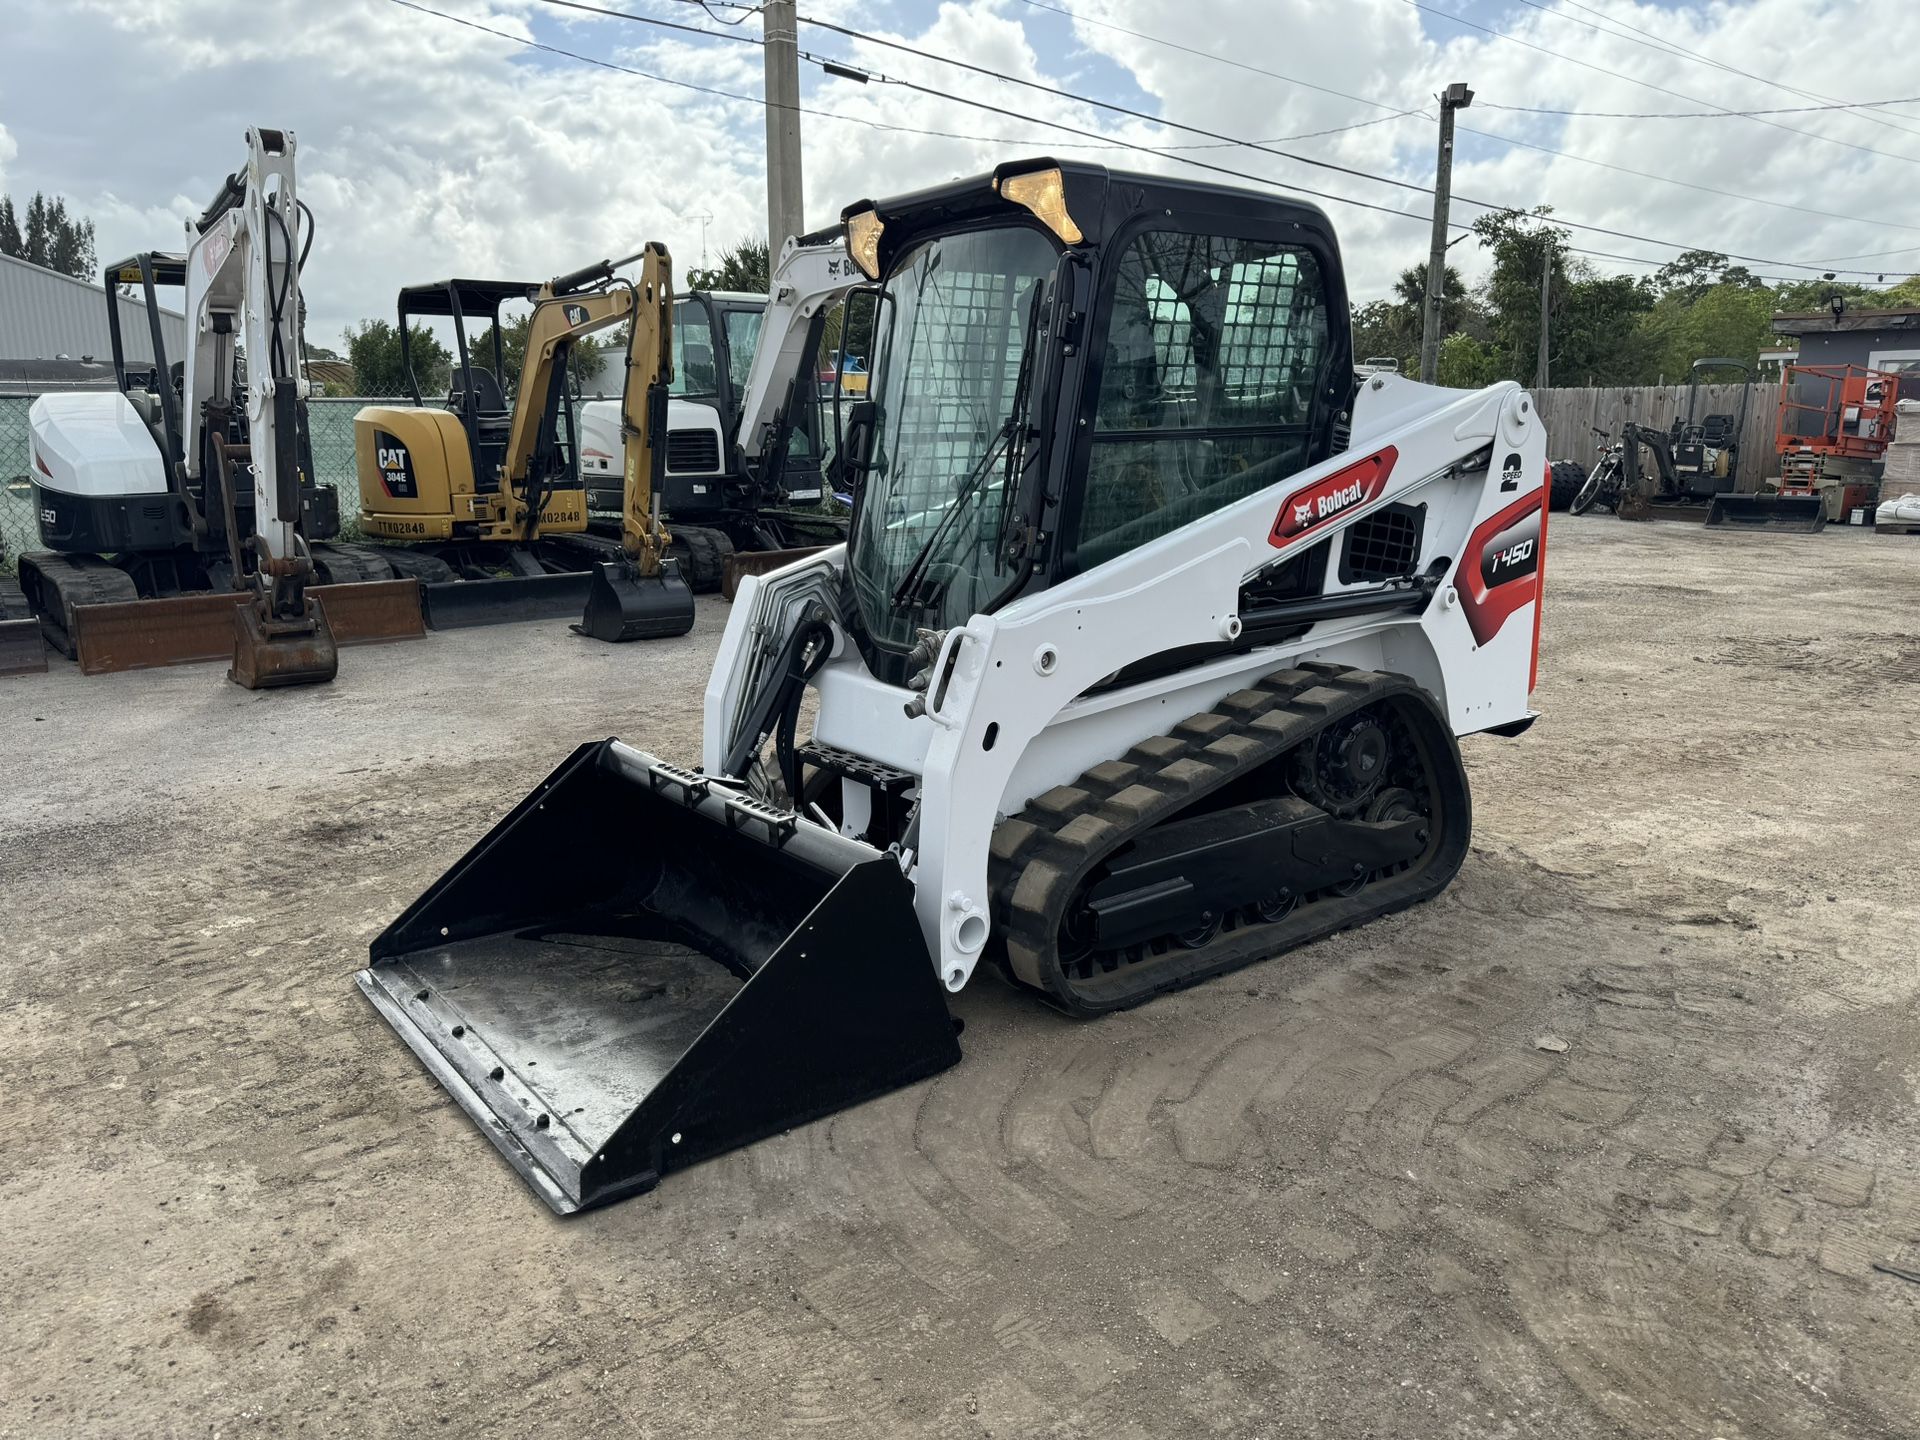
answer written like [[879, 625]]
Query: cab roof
[[475, 297]]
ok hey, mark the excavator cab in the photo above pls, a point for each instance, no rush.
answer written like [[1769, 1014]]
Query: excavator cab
[[434, 472]]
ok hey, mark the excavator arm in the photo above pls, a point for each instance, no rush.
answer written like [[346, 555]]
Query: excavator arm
[[641, 595], [243, 290], [813, 275]]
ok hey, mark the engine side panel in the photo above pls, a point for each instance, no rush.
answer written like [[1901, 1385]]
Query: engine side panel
[[412, 463]]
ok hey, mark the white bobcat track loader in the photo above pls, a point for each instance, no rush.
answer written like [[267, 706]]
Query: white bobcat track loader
[[1146, 659]]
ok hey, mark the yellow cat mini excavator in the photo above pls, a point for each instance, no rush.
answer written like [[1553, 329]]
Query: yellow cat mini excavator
[[481, 499], [1146, 658]]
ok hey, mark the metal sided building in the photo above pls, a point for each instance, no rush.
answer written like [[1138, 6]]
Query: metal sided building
[[47, 316]]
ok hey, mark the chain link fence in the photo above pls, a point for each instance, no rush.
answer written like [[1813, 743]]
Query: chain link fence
[[329, 421]]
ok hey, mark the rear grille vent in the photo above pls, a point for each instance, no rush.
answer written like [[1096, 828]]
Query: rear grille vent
[[1383, 546], [693, 452]]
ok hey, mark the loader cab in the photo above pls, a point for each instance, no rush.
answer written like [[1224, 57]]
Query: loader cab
[[479, 389], [716, 334], [1066, 364]]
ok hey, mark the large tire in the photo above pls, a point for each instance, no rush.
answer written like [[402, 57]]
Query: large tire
[[1568, 477]]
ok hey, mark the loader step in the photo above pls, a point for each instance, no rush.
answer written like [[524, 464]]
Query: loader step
[[1098, 906]]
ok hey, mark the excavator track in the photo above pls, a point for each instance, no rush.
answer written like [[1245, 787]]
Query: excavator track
[[57, 585], [1270, 745]]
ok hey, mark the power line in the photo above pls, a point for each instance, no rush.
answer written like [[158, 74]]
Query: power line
[[1645, 84], [1701, 59], [1263, 149], [1696, 114], [1097, 141], [1093, 142], [1822, 211], [1488, 134], [657, 21]]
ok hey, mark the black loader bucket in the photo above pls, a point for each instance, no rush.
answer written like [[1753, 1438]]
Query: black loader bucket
[[638, 969], [460, 604], [1798, 514], [623, 604]]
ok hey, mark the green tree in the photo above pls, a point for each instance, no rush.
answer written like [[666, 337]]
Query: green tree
[[1381, 328], [1523, 245], [1458, 309], [1730, 319], [1596, 334], [1466, 363], [747, 265], [1694, 272], [50, 236], [1904, 296], [583, 360], [374, 348]]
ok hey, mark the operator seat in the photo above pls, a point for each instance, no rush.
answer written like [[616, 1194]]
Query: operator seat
[[489, 422]]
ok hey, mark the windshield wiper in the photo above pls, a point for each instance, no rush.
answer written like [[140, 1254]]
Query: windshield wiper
[[976, 476]]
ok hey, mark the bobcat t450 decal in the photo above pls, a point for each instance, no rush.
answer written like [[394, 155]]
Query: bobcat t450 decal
[[1502, 569]]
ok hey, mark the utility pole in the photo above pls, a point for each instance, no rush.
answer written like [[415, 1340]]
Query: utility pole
[[1546, 281], [1456, 97], [785, 209]]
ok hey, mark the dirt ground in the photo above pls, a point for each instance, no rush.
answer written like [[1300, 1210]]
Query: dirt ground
[[1341, 1194]]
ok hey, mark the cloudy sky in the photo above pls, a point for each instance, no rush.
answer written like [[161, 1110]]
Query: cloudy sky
[[430, 147]]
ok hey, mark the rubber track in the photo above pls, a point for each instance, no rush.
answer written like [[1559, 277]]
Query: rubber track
[[75, 580], [13, 600], [706, 554], [1042, 857]]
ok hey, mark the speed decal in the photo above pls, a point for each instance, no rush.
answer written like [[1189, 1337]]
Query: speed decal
[[1348, 488]]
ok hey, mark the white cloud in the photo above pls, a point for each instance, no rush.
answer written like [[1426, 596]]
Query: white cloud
[[429, 148]]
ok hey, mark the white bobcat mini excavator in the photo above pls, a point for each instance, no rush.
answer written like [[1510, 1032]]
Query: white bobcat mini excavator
[[179, 512], [1145, 659]]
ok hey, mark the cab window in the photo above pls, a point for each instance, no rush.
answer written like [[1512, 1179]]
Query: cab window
[[694, 371], [1213, 354]]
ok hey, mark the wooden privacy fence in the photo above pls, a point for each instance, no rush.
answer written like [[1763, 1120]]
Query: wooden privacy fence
[[1569, 413]]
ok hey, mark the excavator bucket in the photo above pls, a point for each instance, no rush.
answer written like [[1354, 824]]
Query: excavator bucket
[[270, 653], [639, 969], [623, 604], [1799, 514]]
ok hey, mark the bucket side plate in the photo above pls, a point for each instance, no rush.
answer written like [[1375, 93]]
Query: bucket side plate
[[22, 651]]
